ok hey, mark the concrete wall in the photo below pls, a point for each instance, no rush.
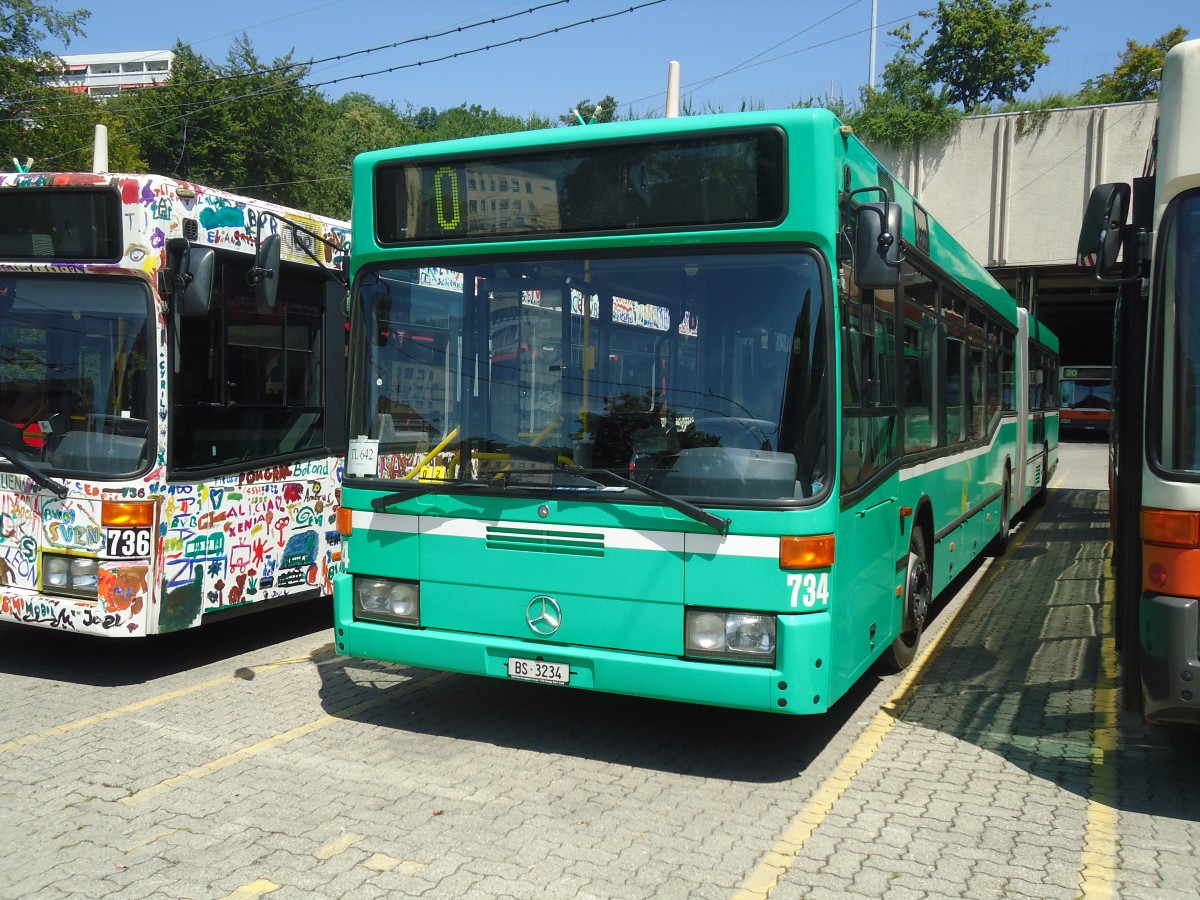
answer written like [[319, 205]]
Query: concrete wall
[[1012, 186]]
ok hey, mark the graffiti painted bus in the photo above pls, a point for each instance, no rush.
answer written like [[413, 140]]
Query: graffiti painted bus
[[172, 367], [705, 409]]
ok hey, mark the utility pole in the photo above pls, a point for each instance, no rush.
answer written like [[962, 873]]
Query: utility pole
[[874, 21]]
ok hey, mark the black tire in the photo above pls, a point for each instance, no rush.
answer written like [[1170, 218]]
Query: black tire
[[999, 543], [918, 597]]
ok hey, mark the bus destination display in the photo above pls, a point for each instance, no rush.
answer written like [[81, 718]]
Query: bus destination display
[[707, 181]]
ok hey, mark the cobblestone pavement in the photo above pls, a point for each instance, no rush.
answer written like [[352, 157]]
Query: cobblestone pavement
[[247, 760]]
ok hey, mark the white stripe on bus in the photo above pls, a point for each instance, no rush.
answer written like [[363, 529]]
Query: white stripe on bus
[[613, 538], [944, 462]]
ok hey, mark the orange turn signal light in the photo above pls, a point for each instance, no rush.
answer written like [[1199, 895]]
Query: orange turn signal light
[[119, 514], [806, 552], [344, 517], [1171, 528]]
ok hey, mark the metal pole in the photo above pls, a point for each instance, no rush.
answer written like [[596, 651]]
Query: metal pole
[[100, 149], [874, 20], [673, 90]]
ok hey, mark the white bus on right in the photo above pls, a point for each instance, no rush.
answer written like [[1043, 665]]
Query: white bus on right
[[1146, 237]]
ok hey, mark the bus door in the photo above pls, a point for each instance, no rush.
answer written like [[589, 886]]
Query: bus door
[[1021, 467], [869, 526]]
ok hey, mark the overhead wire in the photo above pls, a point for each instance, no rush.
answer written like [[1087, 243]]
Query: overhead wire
[[751, 64], [266, 92], [341, 57]]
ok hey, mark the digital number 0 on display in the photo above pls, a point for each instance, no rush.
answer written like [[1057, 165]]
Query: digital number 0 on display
[[445, 190]]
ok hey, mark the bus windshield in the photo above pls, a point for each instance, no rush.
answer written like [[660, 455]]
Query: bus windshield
[[73, 378], [1086, 393], [702, 376]]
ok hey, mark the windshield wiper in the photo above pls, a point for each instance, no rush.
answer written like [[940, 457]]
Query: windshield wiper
[[59, 490], [420, 489], [691, 510]]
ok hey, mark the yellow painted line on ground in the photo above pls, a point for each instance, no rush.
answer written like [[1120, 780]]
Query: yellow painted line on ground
[[1098, 862], [775, 863], [253, 889], [239, 675], [278, 740], [341, 845], [381, 862]]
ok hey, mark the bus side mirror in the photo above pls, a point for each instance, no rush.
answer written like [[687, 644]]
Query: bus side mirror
[[878, 250], [194, 294], [265, 275], [1103, 222]]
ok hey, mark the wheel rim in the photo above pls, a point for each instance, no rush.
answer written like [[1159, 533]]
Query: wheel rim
[[918, 597]]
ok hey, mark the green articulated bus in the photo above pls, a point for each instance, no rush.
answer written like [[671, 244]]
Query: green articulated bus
[[705, 409]]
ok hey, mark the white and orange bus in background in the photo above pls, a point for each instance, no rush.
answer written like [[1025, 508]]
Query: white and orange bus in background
[[172, 366], [1155, 442], [1085, 399]]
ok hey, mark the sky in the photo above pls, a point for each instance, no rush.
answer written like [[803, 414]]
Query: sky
[[543, 57]]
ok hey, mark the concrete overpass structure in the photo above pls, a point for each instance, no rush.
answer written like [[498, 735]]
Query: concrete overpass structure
[[1012, 188]]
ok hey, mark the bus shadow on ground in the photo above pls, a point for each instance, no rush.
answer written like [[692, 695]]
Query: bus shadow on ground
[[678, 738], [110, 662], [1018, 674]]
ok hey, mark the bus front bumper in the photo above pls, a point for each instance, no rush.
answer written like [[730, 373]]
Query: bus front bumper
[[1170, 635], [635, 674]]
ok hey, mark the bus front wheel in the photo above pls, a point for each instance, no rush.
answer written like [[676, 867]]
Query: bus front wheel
[[918, 597], [999, 543]]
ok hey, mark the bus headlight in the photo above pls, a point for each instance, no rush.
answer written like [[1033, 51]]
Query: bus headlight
[[728, 635], [73, 576], [385, 600]]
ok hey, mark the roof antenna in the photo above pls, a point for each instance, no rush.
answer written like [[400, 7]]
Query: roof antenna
[[591, 118]]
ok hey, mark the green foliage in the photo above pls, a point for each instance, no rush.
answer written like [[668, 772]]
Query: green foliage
[[24, 102], [24, 25], [1134, 76], [474, 120], [980, 51], [688, 108], [984, 50], [887, 118], [907, 109]]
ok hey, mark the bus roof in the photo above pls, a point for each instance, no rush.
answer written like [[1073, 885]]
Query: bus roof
[[223, 219]]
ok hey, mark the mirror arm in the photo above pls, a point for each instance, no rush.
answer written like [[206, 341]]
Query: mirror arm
[[257, 273], [1139, 243], [886, 238], [336, 275]]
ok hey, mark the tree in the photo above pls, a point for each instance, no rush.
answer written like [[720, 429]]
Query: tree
[[906, 109], [1134, 77], [355, 124], [984, 50], [180, 124], [271, 117], [24, 25], [61, 136], [245, 126], [469, 121]]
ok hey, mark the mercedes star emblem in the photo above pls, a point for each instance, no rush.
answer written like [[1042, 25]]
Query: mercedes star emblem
[[543, 615]]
